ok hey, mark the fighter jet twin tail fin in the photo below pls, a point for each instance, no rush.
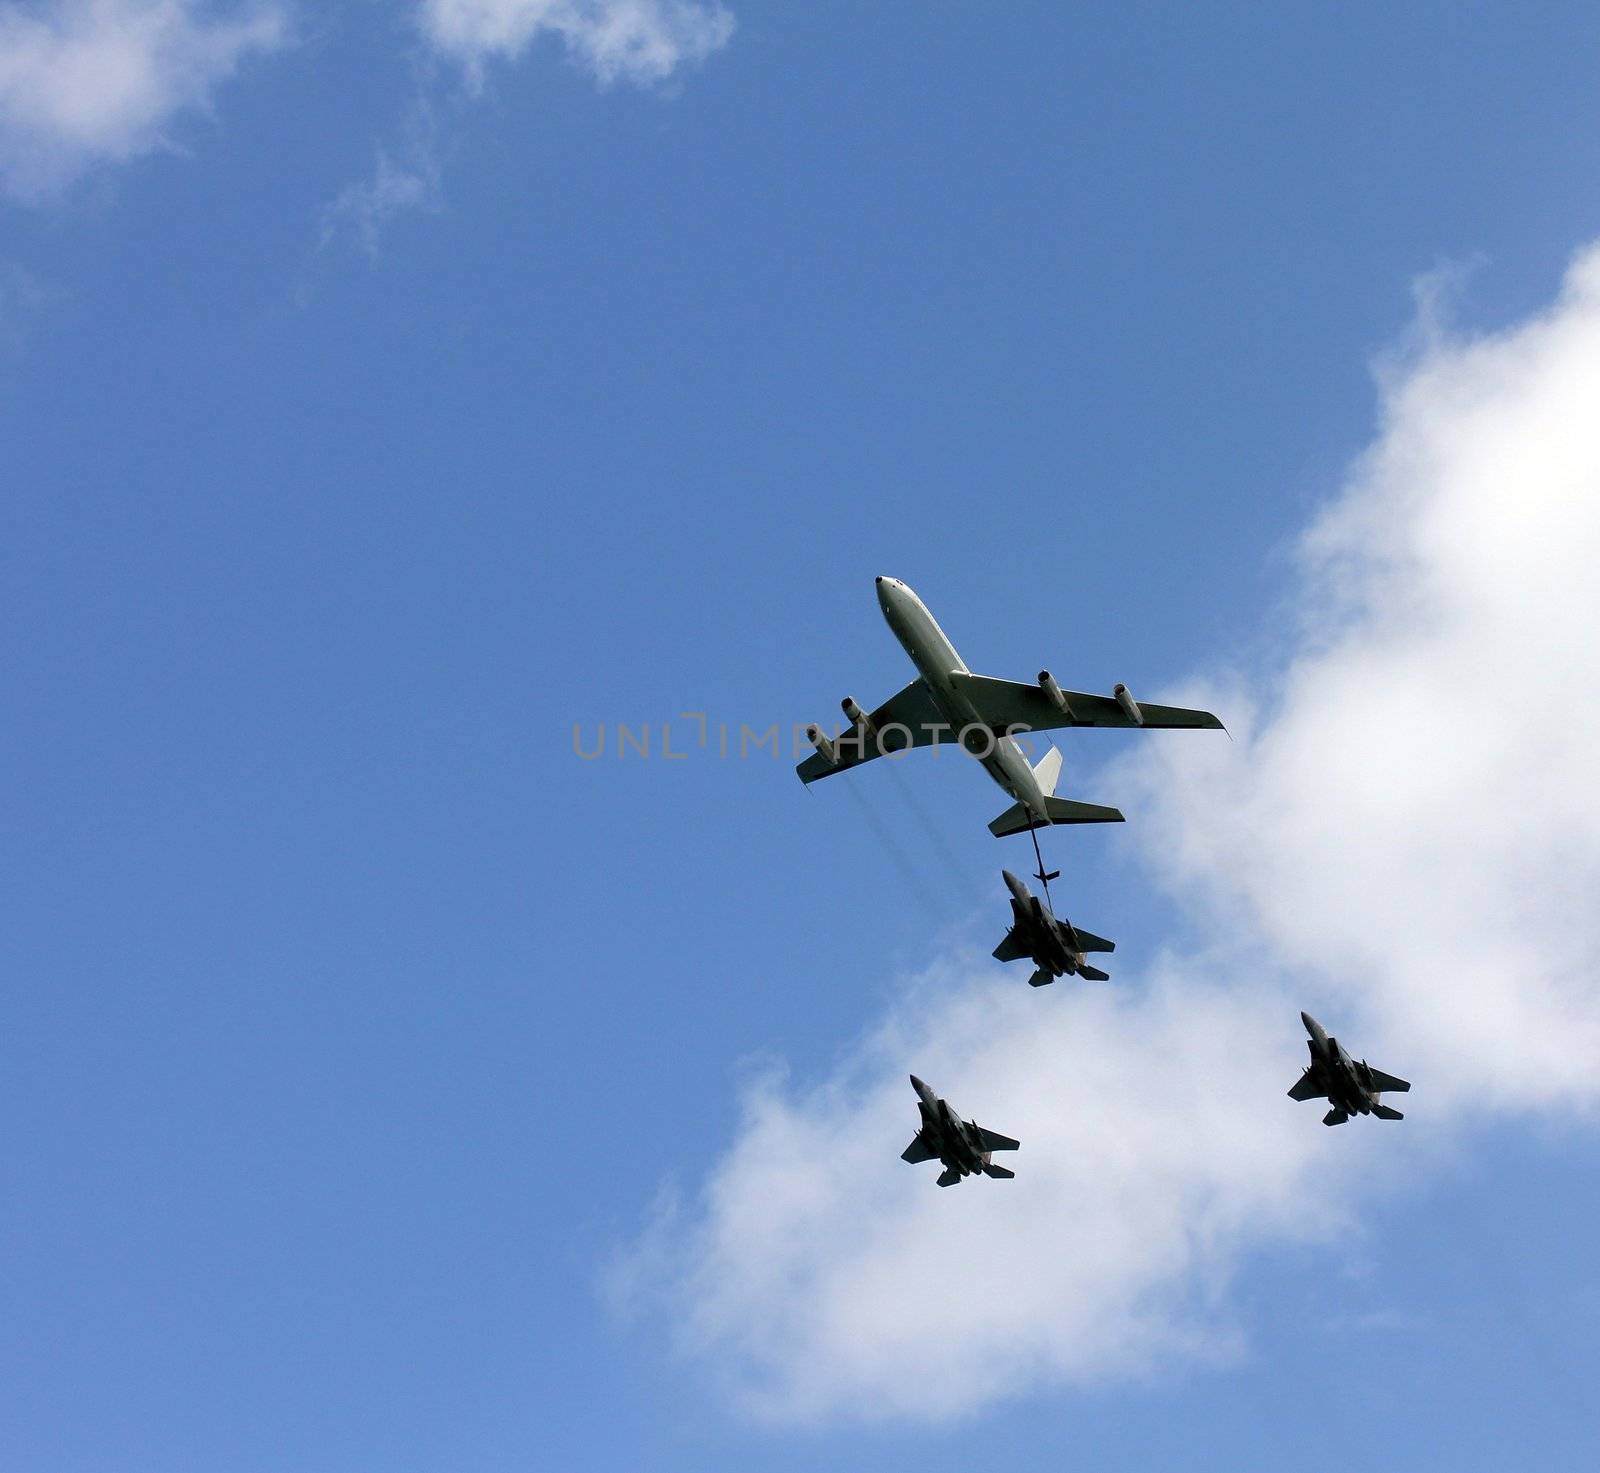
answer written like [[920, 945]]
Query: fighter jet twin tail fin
[[1092, 974], [952, 1174], [1043, 978], [1336, 1116]]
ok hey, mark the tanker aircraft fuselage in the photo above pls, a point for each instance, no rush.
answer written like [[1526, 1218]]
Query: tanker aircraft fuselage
[[937, 661]]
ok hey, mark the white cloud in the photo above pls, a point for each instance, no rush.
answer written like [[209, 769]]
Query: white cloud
[[821, 1276], [362, 209], [1406, 836], [95, 81], [640, 41], [408, 179], [1416, 819]]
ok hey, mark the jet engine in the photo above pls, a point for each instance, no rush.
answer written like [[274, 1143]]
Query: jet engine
[[1129, 705], [819, 739], [1053, 692], [857, 717]]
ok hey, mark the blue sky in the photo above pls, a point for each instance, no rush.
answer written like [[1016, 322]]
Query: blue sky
[[385, 391]]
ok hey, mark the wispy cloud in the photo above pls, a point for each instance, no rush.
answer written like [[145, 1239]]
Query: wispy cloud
[[640, 41], [406, 178], [90, 82], [1406, 836]]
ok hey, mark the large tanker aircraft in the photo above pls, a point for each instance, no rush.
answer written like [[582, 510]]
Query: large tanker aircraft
[[947, 703]]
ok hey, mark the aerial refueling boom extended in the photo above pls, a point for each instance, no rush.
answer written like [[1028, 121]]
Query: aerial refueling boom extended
[[1056, 947]]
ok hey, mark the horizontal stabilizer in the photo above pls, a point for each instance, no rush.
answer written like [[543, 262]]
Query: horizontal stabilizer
[[999, 1173], [1386, 1112], [1335, 1116], [1017, 819], [1093, 974], [949, 1176], [1041, 978]]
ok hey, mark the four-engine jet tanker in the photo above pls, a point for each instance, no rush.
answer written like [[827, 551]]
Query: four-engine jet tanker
[[947, 703], [963, 1147], [1056, 947], [1351, 1088]]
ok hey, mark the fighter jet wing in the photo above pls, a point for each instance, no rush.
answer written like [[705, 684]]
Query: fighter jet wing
[[1009, 703], [1012, 949], [993, 1141], [1387, 1084], [909, 718], [1090, 942], [1305, 1088], [917, 1151]]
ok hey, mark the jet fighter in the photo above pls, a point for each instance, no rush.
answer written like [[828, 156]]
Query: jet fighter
[[962, 1146], [1057, 947], [1351, 1088], [948, 704]]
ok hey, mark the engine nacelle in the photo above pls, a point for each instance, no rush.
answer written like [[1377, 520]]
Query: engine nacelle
[[1129, 705], [819, 739], [1054, 694], [857, 717]]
